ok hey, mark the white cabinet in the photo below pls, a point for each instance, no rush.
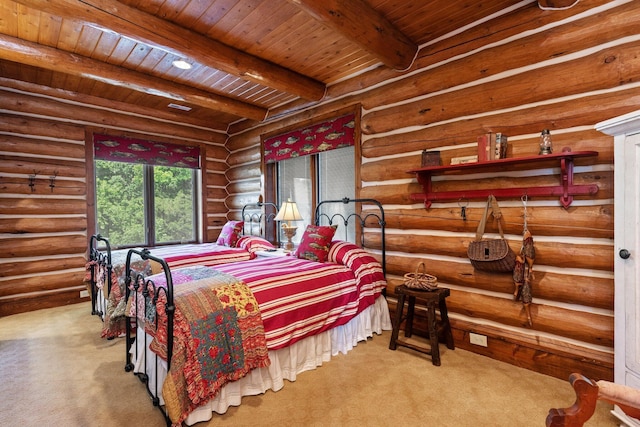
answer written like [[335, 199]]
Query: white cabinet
[[626, 132]]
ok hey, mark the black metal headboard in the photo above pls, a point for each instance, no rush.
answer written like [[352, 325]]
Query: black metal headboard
[[362, 220], [250, 217]]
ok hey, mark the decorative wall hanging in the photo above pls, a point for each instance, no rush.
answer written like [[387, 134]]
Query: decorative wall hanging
[[329, 135], [132, 150], [523, 271], [491, 255]]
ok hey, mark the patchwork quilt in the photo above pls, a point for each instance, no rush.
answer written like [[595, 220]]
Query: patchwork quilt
[[218, 338]]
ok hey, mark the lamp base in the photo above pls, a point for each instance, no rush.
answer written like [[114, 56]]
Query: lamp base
[[289, 232]]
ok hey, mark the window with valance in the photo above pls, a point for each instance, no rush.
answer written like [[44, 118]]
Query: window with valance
[[313, 163], [132, 150], [146, 191], [325, 136]]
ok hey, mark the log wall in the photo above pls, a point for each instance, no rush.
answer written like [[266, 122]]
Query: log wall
[[563, 70], [44, 231]]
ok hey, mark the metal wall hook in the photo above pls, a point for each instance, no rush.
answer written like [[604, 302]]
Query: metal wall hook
[[52, 180], [32, 181], [463, 208]]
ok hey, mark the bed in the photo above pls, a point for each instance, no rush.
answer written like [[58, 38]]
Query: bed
[[202, 337], [105, 268]]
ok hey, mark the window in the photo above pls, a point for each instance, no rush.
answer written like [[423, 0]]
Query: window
[[140, 203], [294, 182], [175, 213], [120, 203], [313, 164], [336, 180], [330, 175]]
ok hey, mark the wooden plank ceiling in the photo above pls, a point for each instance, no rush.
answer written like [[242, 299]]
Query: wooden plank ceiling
[[247, 56]]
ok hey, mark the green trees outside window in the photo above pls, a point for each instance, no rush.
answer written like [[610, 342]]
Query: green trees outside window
[[144, 205]]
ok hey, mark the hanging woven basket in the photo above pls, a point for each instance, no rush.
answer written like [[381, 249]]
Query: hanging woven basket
[[420, 279]]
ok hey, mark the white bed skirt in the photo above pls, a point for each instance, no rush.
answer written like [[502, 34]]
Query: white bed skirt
[[286, 363]]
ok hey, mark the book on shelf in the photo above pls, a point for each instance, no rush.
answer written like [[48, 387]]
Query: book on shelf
[[486, 147], [500, 146], [464, 159], [492, 146]]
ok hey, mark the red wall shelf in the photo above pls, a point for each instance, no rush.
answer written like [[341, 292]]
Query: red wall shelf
[[566, 190]]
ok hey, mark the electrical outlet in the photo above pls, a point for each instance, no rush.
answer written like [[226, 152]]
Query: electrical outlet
[[84, 294], [477, 339]]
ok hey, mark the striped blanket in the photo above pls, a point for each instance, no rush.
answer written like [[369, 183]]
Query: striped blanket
[[298, 298], [200, 254]]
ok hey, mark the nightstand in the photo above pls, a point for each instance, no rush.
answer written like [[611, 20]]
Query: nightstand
[[271, 254]]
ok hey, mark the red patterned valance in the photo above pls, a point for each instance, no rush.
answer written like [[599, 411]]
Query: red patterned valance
[[329, 135], [131, 150]]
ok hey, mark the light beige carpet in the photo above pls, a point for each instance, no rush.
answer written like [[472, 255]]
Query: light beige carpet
[[55, 370]]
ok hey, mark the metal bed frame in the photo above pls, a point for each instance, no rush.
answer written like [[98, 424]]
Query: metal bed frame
[[100, 259], [149, 287], [345, 220], [261, 218]]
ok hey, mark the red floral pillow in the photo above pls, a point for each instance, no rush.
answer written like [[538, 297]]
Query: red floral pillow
[[315, 242], [230, 233]]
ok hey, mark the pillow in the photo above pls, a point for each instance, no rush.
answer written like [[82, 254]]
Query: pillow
[[230, 233], [254, 243], [366, 268], [315, 242], [342, 252]]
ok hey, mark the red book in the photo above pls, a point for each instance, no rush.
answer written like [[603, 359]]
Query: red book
[[484, 148]]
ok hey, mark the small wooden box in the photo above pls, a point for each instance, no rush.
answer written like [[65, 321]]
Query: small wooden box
[[430, 158]]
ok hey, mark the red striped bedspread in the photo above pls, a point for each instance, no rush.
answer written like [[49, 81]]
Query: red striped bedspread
[[177, 256], [299, 298], [199, 254]]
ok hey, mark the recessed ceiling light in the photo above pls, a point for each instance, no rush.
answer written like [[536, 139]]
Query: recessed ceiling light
[[182, 64]]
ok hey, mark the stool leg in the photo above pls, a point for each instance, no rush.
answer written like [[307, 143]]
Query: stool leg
[[408, 327], [433, 333], [398, 321], [444, 317]]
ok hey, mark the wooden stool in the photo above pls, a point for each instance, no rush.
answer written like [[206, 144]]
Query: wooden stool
[[430, 299]]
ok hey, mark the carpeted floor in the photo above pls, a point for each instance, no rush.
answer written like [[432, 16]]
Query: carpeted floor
[[56, 370]]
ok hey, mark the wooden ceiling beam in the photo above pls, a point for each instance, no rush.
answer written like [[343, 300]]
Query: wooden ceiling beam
[[150, 114], [118, 18], [22, 51], [362, 24]]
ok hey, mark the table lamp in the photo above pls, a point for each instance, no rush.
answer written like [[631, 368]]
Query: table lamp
[[288, 212]]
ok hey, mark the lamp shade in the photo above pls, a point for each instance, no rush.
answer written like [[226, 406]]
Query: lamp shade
[[288, 212]]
